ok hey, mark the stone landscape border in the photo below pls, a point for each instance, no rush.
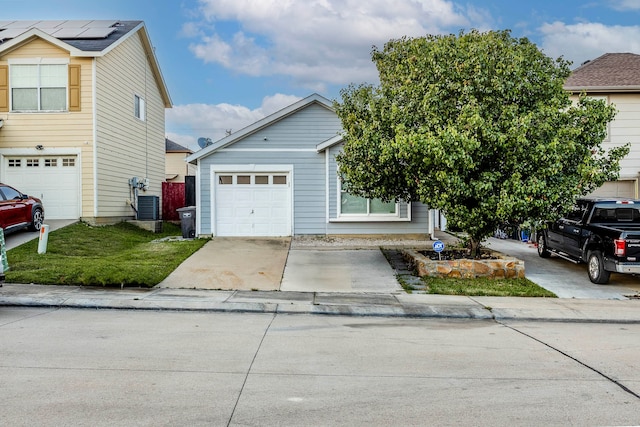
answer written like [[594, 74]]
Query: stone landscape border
[[501, 267]]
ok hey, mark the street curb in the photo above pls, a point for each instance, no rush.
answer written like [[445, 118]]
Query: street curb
[[398, 305]]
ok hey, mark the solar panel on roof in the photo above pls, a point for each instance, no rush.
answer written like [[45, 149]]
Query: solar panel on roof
[[12, 33], [80, 29], [96, 33], [101, 23], [49, 24], [76, 24], [68, 33], [21, 24]]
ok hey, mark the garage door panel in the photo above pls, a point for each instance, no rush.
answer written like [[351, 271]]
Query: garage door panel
[[253, 207], [54, 179], [622, 188]]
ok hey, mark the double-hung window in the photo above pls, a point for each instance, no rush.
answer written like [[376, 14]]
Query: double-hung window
[[38, 87], [139, 107]]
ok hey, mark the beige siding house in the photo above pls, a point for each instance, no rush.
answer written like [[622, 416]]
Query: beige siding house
[[615, 78], [176, 167], [82, 105]]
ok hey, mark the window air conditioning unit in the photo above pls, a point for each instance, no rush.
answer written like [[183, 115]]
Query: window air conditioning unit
[[148, 208]]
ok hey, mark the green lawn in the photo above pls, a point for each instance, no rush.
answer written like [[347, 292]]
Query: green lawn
[[485, 287], [117, 255]]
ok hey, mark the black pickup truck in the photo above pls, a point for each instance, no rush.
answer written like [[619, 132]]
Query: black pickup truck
[[603, 233]]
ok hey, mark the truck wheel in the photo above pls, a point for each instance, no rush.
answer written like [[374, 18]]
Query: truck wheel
[[543, 251], [595, 268]]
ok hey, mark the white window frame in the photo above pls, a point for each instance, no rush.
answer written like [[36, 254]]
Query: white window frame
[[38, 62], [139, 107], [368, 217]]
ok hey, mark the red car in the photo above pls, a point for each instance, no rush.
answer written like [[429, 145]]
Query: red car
[[18, 210]]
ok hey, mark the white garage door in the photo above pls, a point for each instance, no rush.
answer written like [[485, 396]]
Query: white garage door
[[252, 204], [54, 179], [622, 188]]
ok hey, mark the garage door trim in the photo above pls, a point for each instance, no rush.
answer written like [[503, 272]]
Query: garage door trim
[[248, 169], [48, 152]]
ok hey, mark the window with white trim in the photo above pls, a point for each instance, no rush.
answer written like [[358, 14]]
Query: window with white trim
[[357, 206], [38, 87], [139, 107]]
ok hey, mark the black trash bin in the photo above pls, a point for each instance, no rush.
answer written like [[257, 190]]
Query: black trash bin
[[188, 221]]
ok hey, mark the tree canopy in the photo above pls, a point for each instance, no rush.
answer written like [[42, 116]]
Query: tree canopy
[[477, 125]]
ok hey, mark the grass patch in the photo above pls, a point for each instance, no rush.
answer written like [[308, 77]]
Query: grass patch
[[121, 255], [485, 287]]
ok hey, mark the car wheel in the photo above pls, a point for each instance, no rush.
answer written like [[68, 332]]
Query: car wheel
[[37, 219], [595, 268], [543, 251]]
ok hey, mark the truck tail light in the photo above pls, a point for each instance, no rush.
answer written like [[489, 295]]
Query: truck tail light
[[620, 247]]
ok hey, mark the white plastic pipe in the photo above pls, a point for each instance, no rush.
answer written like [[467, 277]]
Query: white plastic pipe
[[44, 238]]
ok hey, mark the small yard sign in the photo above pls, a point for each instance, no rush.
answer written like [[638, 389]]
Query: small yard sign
[[438, 246]]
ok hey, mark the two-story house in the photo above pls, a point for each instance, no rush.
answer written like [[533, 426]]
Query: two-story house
[[615, 78], [82, 105]]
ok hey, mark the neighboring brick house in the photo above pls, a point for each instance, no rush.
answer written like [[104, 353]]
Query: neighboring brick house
[[83, 110], [615, 77]]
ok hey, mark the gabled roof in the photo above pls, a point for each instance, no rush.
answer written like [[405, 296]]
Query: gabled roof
[[611, 72], [174, 147], [329, 143], [261, 124], [86, 38]]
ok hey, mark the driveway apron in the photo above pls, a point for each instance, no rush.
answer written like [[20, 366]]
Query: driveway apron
[[338, 270], [233, 263]]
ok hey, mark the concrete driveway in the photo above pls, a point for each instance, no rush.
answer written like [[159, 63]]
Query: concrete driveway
[[564, 278], [236, 263], [17, 238], [362, 270]]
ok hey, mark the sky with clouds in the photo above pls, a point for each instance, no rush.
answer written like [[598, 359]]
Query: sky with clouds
[[228, 63]]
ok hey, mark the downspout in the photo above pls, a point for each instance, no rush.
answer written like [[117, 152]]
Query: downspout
[[432, 228], [327, 158]]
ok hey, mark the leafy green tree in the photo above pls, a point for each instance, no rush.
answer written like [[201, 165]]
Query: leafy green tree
[[477, 125]]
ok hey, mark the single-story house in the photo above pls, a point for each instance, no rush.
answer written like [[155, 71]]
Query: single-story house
[[615, 78], [82, 104], [279, 177]]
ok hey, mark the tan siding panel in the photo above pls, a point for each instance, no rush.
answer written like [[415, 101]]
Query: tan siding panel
[[132, 148]]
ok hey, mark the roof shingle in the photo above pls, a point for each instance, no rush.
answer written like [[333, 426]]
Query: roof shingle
[[611, 71]]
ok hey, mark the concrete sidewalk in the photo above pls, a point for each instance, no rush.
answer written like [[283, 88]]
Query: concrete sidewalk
[[397, 304]]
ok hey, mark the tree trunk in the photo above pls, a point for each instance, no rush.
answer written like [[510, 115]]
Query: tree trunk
[[474, 247]]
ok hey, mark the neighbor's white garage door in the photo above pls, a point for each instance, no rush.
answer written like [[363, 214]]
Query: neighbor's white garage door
[[252, 204], [621, 188], [54, 179]]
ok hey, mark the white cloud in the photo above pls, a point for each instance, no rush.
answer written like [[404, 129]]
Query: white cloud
[[318, 42], [583, 41], [626, 4], [185, 123]]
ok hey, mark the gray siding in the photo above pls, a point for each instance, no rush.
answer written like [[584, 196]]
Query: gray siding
[[292, 141], [419, 212]]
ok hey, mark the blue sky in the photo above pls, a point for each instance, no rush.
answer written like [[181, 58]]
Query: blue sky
[[228, 63]]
